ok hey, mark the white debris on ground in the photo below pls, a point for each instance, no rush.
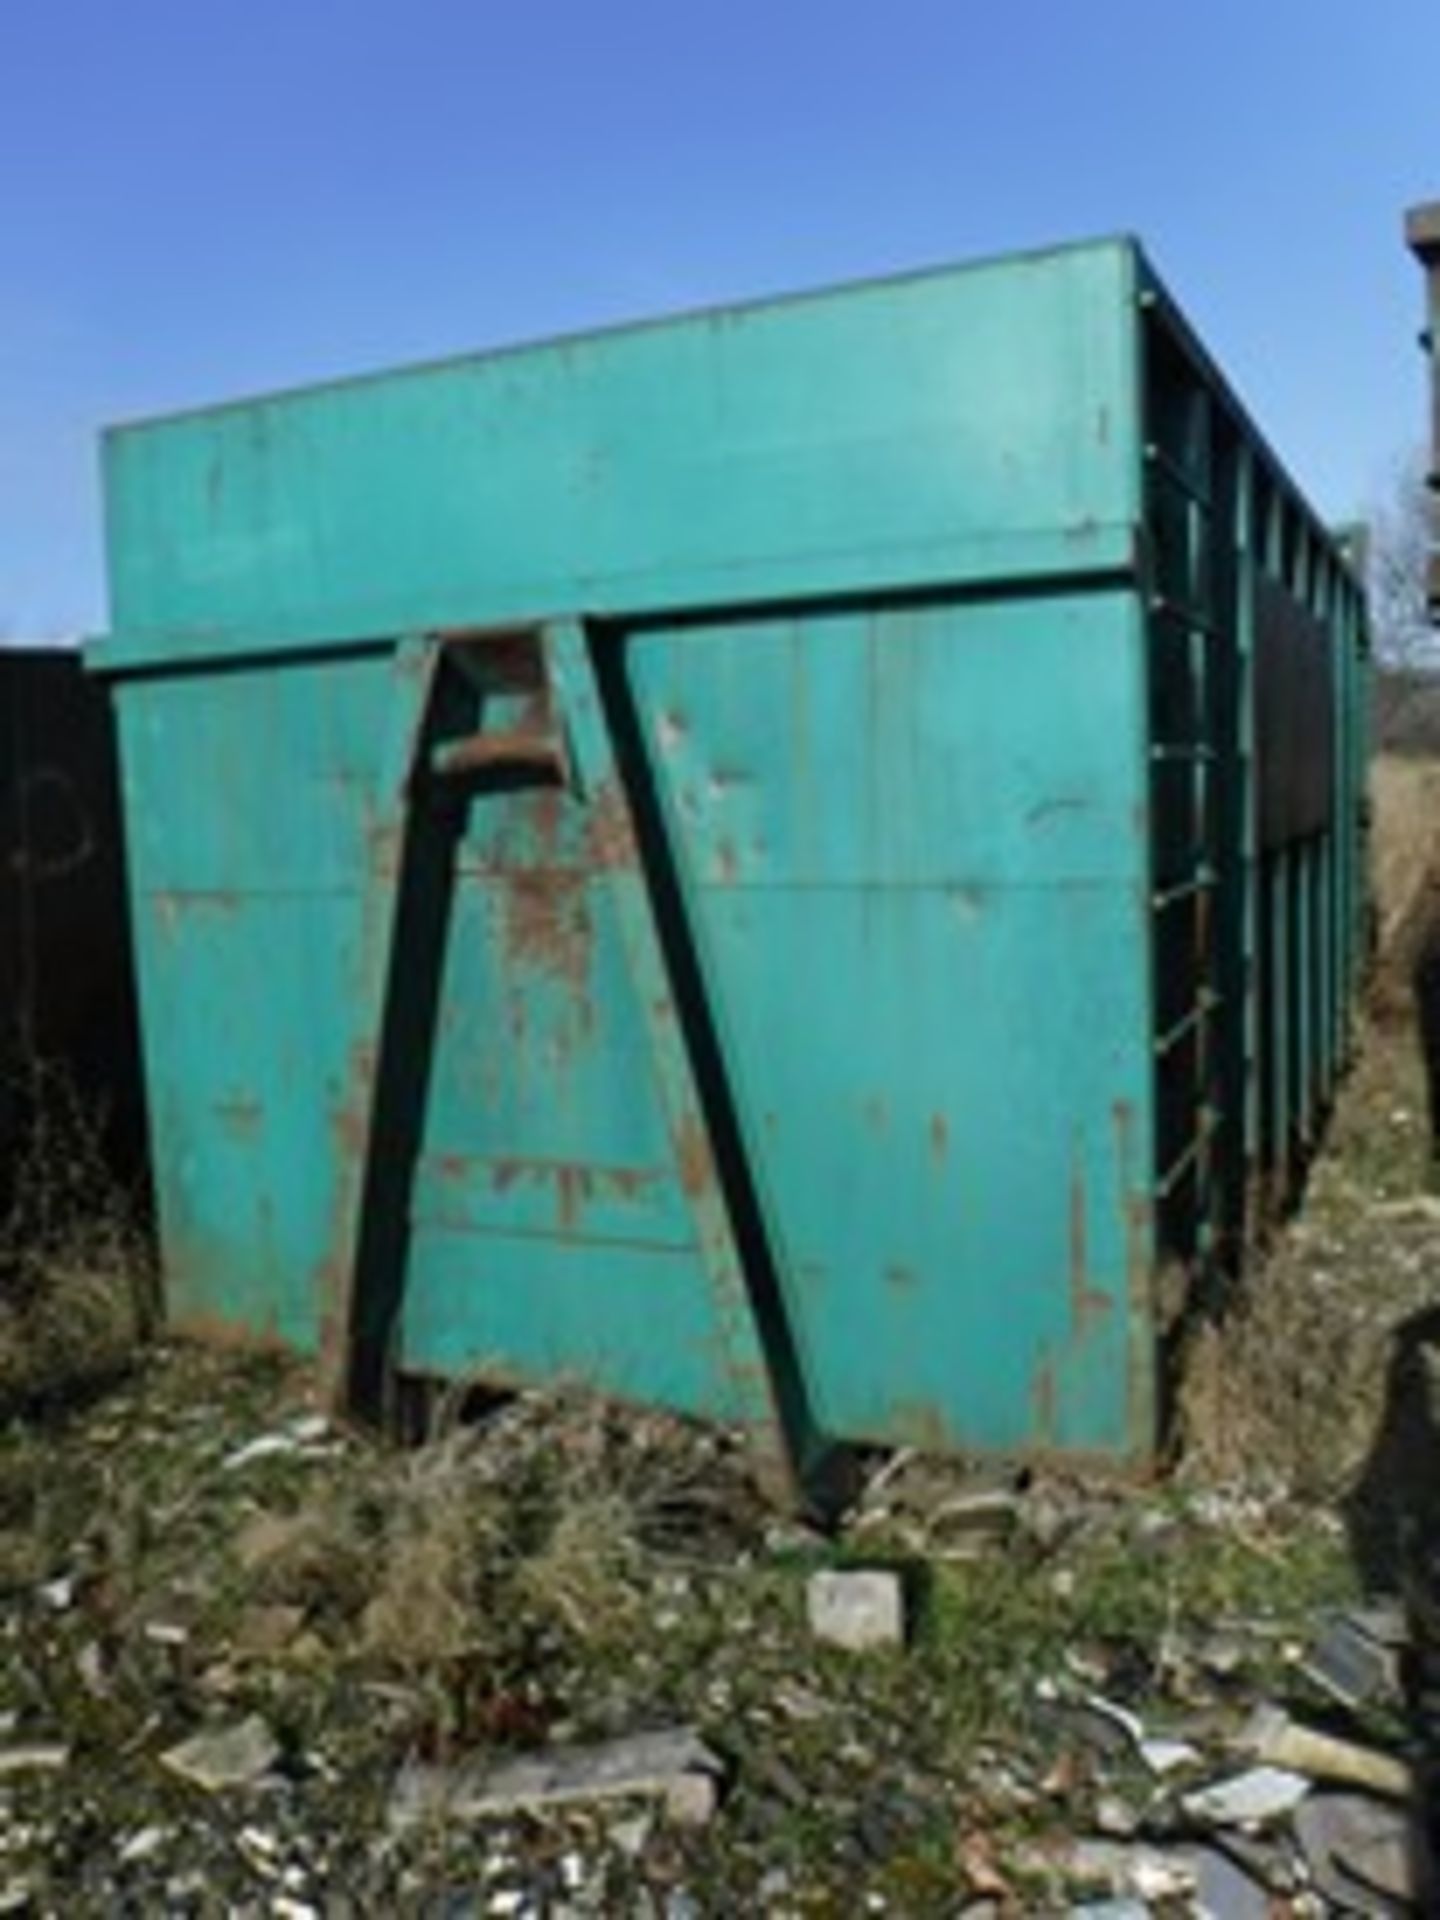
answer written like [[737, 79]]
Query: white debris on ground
[[858, 1610], [569, 1660]]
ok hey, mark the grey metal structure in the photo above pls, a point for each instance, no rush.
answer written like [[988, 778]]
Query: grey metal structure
[[1422, 232]]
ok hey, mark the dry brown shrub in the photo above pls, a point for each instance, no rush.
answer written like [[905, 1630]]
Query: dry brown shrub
[[1404, 872], [1287, 1391], [1282, 1395], [77, 1271], [539, 1526]]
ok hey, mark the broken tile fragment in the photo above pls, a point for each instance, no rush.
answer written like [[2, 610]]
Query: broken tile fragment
[[40, 1756], [1252, 1798], [646, 1765], [224, 1757]]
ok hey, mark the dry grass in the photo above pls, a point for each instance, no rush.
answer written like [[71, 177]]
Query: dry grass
[[1405, 869], [1286, 1396], [531, 1532], [1287, 1393], [77, 1276]]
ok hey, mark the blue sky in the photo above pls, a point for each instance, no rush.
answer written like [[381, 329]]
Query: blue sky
[[204, 198]]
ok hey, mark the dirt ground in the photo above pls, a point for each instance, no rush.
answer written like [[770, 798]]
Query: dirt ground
[[187, 1548]]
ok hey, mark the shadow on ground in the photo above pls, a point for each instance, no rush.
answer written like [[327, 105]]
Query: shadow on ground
[[1425, 990], [1392, 1516], [1392, 1512]]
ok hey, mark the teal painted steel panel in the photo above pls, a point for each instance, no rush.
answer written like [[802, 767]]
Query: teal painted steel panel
[[632, 1320], [247, 809], [845, 901], [693, 858], [963, 425], [849, 902], [245, 1075]]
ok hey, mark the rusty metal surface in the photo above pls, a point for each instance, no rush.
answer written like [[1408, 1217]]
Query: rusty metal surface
[[694, 927]]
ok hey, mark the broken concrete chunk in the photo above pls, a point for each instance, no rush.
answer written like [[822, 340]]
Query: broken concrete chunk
[[1273, 1737], [650, 1765], [166, 1633], [857, 1610], [1116, 1817], [632, 1836], [41, 1756], [1248, 1799], [691, 1799], [1160, 1876], [1141, 1870], [231, 1756]]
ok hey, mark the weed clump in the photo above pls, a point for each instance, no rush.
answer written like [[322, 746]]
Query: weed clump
[[77, 1270], [503, 1550]]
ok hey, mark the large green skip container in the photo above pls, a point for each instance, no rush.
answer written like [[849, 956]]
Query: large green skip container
[[799, 863]]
